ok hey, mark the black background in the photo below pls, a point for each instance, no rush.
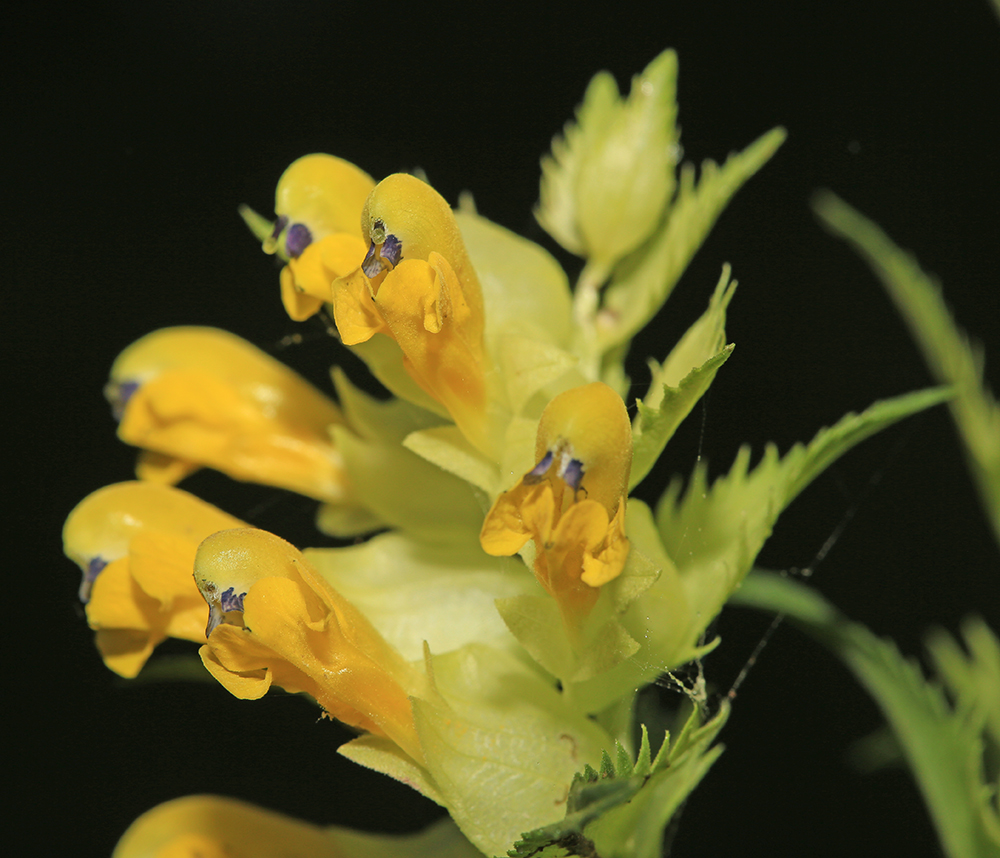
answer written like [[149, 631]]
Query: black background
[[134, 130]]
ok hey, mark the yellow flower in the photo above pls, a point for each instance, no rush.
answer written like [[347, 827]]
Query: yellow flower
[[197, 397], [135, 543], [317, 201], [572, 503], [417, 286], [275, 621]]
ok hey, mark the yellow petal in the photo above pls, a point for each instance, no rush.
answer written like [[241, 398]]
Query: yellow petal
[[280, 622], [593, 420], [203, 396], [425, 309], [211, 827], [572, 503], [323, 192], [418, 286], [306, 282], [354, 311], [136, 543]]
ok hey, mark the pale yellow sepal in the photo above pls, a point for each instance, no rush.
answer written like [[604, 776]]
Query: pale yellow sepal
[[201, 396], [148, 535], [280, 623]]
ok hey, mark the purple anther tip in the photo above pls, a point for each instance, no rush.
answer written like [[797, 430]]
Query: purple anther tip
[[230, 601], [392, 250], [297, 239], [119, 395], [539, 471], [573, 474], [382, 256], [279, 225], [371, 265], [94, 568]]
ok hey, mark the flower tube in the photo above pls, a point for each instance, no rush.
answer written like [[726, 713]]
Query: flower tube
[[572, 503], [273, 620], [417, 286], [135, 544], [196, 396]]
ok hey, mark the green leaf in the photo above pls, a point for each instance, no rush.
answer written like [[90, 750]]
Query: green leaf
[[383, 755], [680, 381], [947, 350], [609, 178], [973, 680], [502, 745], [942, 745], [388, 421], [382, 480], [415, 591], [525, 291], [622, 810], [448, 448], [657, 616], [644, 279], [714, 535]]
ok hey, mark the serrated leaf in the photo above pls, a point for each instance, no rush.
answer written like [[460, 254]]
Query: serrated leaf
[[622, 811], [942, 746], [972, 679], [714, 535], [951, 357], [682, 379], [654, 427], [702, 340], [644, 279]]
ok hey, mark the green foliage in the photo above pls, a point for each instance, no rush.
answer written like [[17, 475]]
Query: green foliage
[[714, 534], [947, 350], [623, 808], [942, 743], [680, 381], [646, 277]]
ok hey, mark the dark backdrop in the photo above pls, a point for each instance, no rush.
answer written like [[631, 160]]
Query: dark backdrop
[[134, 130]]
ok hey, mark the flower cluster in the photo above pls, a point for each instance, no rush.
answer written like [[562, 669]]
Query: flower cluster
[[504, 596]]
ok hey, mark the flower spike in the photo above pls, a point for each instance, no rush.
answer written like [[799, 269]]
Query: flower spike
[[275, 621], [572, 503]]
